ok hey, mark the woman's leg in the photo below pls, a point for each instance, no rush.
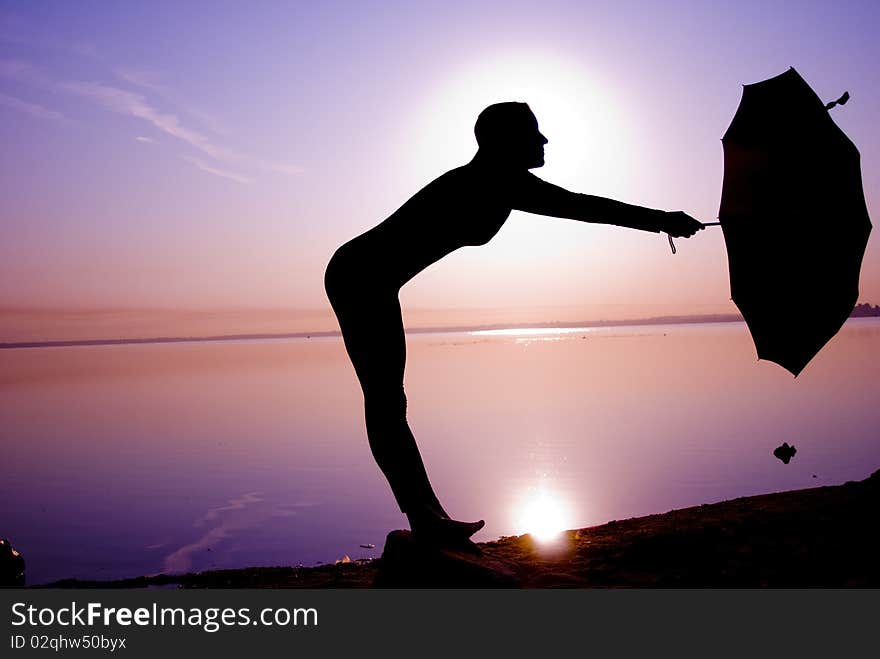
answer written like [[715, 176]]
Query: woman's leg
[[372, 329]]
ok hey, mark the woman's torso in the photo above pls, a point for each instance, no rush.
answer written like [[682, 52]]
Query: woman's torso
[[464, 206]]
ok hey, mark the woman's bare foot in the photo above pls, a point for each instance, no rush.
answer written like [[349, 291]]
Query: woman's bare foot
[[431, 526]]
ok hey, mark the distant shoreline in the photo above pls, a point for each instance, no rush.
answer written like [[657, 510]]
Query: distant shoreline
[[658, 320], [661, 320]]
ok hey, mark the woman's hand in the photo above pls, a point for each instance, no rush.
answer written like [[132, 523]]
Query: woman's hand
[[679, 224]]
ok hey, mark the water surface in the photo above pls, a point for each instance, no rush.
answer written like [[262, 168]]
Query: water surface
[[138, 459]]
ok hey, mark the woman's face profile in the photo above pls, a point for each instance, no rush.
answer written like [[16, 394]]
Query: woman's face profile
[[526, 142], [533, 144]]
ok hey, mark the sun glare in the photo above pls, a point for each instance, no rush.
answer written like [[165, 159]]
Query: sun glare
[[543, 515], [587, 129]]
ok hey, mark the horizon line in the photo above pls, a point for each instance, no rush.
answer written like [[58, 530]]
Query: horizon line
[[633, 322], [655, 320]]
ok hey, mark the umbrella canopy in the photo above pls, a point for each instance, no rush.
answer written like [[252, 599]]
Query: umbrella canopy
[[794, 219]]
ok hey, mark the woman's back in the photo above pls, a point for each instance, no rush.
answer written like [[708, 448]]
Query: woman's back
[[465, 206]]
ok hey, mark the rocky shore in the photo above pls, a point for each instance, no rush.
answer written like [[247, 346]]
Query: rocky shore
[[818, 537]]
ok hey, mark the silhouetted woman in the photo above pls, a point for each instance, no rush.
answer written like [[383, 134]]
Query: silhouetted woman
[[464, 206]]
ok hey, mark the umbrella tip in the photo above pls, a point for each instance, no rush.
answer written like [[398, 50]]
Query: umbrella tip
[[840, 101]]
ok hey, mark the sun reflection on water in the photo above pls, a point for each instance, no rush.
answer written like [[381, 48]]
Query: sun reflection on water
[[533, 331]]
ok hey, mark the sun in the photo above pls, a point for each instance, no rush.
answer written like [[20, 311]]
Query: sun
[[588, 130], [543, 515]]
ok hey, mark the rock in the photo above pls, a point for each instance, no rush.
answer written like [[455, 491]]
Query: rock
[[11, 566], [409, 563]]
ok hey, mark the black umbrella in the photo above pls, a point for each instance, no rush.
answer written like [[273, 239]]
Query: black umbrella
[[794, 219]]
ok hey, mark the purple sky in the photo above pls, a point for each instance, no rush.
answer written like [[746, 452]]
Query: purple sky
[[212, 155]]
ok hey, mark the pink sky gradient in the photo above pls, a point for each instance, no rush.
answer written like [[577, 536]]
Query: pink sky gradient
[[209, 157]]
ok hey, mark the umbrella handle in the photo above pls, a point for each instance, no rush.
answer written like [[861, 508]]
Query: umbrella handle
[[705, 224]]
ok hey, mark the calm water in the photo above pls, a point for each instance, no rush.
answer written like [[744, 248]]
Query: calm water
[[126, 460]]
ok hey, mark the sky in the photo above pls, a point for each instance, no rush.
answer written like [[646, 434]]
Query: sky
[[209, 157]]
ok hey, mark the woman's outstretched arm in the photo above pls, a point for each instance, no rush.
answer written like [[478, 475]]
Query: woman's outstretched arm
[[534, 195]]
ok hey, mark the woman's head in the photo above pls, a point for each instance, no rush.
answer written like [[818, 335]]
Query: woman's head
[[509, 131]]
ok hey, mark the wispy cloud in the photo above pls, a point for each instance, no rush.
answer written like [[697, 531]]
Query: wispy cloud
[[151, 81], [143, 138], [128, 103], [137, 105], [210, 169], [146, 79], [30, 108]]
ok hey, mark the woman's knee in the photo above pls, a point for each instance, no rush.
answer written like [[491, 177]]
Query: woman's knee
[[383, 407]]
